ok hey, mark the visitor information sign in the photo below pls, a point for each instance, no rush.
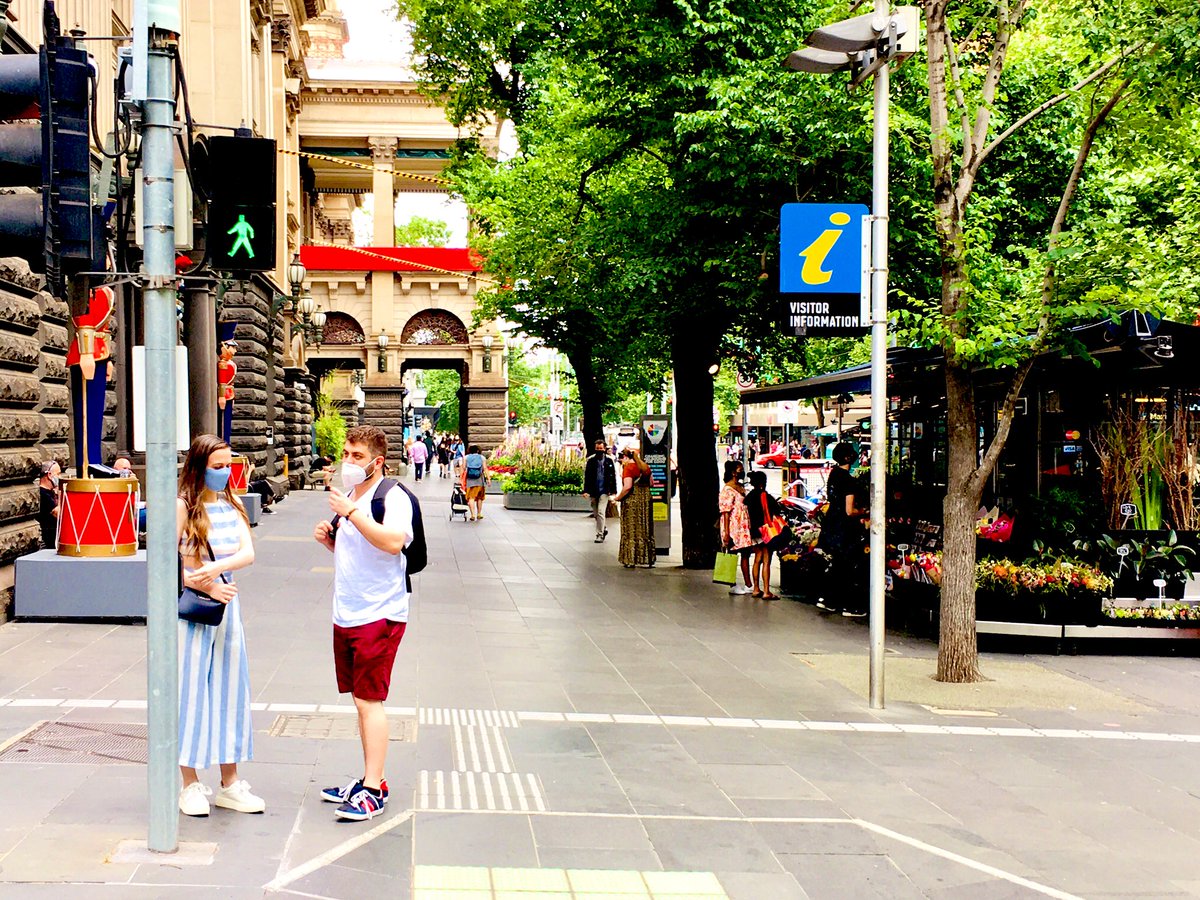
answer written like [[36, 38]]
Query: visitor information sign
[[824, 251], [656, 451]]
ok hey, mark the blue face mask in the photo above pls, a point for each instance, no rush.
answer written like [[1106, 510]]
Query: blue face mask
[[216, 479]]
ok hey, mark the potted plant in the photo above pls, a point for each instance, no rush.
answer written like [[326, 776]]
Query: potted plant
[[1136, 564], [1061, 591]]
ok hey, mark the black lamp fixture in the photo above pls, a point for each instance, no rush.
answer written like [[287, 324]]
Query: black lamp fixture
[[487, 341], [382, 343]]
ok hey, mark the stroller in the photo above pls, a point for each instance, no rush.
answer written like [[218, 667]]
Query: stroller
[[458, 503]]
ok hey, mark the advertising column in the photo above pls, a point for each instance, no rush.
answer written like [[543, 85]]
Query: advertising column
[[656, 451]]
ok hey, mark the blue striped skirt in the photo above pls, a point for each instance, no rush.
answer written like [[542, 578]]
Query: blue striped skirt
[[214, 692]]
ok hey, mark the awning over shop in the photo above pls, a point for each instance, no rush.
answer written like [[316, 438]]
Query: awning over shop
[[852, 380]]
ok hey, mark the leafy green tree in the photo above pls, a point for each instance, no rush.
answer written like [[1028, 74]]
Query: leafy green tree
[[421, 232], [1033, 98], [442, 387]]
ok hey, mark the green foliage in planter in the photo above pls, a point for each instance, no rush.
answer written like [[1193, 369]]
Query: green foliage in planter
[[546, 472], [329, 432], [1064, 514], [1164, 558]]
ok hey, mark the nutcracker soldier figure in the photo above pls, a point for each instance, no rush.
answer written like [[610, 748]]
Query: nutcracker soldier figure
[[226, 370], [88, 360]]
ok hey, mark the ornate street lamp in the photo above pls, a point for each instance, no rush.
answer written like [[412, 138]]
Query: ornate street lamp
[[487, 340], [382, 343]]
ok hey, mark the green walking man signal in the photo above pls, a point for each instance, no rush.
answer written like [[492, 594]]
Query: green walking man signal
[[244, 231], [236, 175]]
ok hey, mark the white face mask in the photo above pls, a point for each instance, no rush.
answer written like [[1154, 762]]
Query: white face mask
[[353, 475]]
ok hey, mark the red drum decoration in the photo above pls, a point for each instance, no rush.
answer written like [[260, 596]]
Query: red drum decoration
[[98, 517], [239, 475]]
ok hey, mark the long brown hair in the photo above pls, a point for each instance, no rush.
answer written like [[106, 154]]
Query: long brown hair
[[191, 488]]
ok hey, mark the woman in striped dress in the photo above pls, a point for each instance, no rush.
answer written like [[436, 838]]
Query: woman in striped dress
[[214, 680]]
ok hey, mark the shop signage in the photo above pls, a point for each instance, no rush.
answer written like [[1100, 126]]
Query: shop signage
[[1129, 510], [656, 451], [823, 277], [1071, 435]]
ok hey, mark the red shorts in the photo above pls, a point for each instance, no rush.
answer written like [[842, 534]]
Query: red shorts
[[363, 657]]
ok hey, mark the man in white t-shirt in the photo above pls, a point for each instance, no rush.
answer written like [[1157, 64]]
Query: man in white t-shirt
[[370, 606]]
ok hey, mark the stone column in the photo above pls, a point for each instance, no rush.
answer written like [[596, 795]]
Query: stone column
[[383, 158], [200, 335]]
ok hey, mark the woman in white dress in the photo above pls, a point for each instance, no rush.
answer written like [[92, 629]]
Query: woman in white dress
[[214, 679]]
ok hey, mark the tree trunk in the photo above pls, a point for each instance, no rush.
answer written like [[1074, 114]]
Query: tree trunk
[[958, 651], [591, 399], [696, 452]]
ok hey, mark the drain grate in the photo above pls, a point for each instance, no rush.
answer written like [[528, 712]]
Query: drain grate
[[79, 743], [337, 727]]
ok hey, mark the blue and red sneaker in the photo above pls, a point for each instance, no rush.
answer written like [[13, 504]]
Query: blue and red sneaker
[[360, 805], [339, 794]]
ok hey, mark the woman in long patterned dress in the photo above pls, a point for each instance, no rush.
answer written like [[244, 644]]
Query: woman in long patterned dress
[[735, 522], [637, 530], [214, 677]]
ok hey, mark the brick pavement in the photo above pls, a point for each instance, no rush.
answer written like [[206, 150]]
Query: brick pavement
[[573, 729]]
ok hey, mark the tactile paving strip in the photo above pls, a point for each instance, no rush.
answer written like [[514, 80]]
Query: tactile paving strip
[[80, 743], [335, 727]]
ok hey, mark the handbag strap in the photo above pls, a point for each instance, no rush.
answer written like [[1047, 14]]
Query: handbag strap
[[212, 556]]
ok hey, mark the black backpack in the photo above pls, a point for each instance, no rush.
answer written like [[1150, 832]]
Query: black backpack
[[416, 554]]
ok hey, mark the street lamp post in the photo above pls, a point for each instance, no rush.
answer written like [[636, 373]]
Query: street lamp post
[[382, 343], [867, 45]]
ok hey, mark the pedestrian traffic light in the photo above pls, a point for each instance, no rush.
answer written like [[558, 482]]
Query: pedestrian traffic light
[[512, 417], [238, 178], [57, 229]]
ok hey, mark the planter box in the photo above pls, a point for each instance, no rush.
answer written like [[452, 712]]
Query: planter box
[[1051, 608], [517, 500], [570, 503]]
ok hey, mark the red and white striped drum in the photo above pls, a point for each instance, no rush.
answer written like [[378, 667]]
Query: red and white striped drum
[[98, 517], [239, 475]]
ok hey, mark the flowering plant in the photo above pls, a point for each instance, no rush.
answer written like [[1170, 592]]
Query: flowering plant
[[921, 566], [1174, 612], [1057, 577], [543, 471]]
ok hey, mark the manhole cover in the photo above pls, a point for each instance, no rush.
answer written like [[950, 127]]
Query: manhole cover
[[337, 727], [80, 743]]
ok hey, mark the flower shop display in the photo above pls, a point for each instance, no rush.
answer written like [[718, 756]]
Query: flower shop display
[[1060, 591]]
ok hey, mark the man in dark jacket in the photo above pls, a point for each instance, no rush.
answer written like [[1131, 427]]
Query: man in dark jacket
[[599, 483]]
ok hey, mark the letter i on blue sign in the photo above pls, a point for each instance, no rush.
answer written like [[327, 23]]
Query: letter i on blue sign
[[820, 248]]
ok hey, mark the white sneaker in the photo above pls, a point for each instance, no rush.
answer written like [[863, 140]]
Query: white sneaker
[[193, 799], [238, 798], [739, 590]]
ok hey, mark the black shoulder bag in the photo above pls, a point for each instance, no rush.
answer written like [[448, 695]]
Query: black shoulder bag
[[196, 606]]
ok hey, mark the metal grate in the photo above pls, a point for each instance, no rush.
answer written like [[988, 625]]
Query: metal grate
[[79, 743], [337, 727]]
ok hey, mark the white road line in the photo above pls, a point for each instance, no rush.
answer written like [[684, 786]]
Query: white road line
[[487, 750], [536, 792], [279, 882], [501, 753], [459, 755], [455, 791], [476, 766], [439, 783], [498, 719], [471, 793], [507, 801], [423, 796], [966, 861], [487, 790]]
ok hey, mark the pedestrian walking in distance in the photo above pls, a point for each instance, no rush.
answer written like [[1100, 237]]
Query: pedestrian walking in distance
[[370, 605], [214, 671], [474, 481], [735, 522], [419, 454], [637, 531], [600, 483]]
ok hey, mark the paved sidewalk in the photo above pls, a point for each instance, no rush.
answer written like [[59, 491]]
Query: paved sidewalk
[[568, 728]]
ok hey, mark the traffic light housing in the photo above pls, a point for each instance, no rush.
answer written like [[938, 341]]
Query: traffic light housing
[[238, 178], [58, 231]]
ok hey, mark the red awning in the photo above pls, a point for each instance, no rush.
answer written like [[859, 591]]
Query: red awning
[[390, 259]]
